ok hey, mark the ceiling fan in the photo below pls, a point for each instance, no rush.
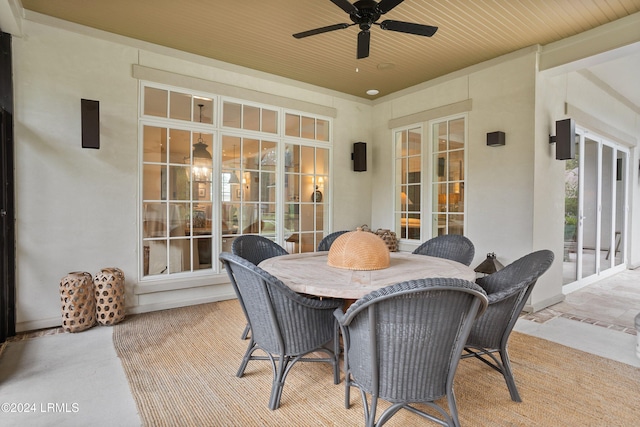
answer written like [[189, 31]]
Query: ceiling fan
[[365, 13]]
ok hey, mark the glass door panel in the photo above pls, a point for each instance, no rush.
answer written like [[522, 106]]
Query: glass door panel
[[408, 179], [448, 177], [606, 207], [589, 217], [620, 207], [306, 183], [571, 186], [595, 209]]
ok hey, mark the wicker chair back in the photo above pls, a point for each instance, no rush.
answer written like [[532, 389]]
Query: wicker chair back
[[402, 343], [450, 246]]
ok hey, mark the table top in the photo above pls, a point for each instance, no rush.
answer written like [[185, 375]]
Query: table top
[[309, 273]]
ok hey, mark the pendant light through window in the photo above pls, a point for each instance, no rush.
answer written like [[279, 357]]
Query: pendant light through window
[[201, 158]]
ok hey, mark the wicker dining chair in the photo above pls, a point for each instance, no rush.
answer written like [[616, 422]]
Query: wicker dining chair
[[403, 344], [255, 249], [287, 326], [450, 246], [508, 290], [327, 241]]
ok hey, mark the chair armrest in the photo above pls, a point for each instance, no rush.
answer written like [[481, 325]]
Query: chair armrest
[[504, 293], [320, 304]]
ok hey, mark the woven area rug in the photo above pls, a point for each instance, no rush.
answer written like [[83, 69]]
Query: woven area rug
[[181, 367]]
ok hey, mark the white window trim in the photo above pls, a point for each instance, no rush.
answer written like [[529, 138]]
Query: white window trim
[[422, 185], [430, 150], [427, 152]]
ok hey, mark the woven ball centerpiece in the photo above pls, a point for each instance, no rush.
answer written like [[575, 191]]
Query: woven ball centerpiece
[[359, 250]]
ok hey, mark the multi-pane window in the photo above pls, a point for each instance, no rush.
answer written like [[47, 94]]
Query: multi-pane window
[[249, 176], [447, 178], [306, 181], [177, 182], [176, 203], [306, 127], [408, 158], [444, 187], [249, 117], [170, 104], [213, 169]]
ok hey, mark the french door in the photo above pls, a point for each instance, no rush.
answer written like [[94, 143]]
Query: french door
[[595, 219]]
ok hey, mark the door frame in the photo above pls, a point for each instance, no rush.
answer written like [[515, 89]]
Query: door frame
[[582, 133]]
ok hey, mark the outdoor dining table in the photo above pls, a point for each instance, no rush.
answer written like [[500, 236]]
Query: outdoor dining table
[[309, 273]]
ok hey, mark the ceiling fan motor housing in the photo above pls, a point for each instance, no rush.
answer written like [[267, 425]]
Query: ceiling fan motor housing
[[366, 14]]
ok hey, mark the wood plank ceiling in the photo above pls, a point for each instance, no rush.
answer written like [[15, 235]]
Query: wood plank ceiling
[[258, 34]]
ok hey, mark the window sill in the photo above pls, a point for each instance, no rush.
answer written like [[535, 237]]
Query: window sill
[[174, 284], [407, 245]]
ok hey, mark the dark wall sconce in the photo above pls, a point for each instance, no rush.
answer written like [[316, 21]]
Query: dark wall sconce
[[495, 139], [359, 156], [90, 113], [565, 139]]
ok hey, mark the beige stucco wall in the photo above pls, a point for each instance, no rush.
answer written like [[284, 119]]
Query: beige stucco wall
[[548, 194], [500, 180], [77, 209]]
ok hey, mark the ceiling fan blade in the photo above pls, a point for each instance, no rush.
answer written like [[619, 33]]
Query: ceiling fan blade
[[364, 39], [345, 5], [409, 28], [321, 30], [386, 5]]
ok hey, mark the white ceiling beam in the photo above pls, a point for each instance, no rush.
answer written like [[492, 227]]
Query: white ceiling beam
[[604, 43], [11, 17]]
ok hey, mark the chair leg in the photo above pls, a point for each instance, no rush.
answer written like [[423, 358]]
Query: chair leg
[[503, 366], [336, 354], [371, 419], [508, 375], [279, 375], [245, 360], [453, 408], [276, 392], [347, 390], [245, 333], [336, 369]]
